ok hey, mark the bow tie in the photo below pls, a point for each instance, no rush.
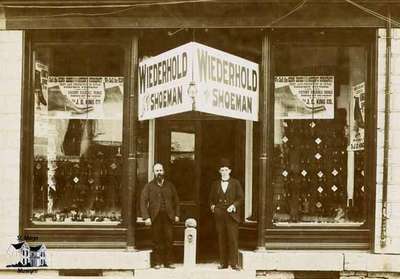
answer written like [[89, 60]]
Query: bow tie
[[224, 180]]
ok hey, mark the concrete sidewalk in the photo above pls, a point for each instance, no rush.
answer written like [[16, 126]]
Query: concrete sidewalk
[[200, 271]]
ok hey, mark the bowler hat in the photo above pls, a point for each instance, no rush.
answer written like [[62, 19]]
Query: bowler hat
[[224, 162]]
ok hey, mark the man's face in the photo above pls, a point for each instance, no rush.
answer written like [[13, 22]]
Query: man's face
[[225, 172], [158, 171]]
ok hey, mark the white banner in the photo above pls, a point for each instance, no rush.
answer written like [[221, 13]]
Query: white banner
[[227, 84], [83, 97], [304, 97], [357, 117], [163, 83], [197, 77]]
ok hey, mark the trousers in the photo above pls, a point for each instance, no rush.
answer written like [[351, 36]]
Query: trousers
[[228, 233], [162, 233]]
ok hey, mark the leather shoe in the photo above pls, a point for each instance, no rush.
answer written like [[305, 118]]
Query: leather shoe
[[222, 266], [169, 266], [235, 267], [157, 266]]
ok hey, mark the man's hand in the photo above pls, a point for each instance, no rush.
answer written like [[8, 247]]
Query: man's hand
[[176, 219], [231, 208], [212, 208], [147, 222]]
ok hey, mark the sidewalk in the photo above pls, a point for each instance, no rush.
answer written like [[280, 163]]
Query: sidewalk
[[201, 271]]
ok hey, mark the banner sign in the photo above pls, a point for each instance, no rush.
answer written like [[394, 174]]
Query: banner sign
[[357, 120], [227, 84], [163, 83], [201, 78], [85, 97], [304, 97]]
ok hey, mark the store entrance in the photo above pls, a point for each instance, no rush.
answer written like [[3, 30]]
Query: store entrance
[[190, 151]]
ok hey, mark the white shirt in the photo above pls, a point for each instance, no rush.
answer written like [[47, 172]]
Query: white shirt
[[224, 186]]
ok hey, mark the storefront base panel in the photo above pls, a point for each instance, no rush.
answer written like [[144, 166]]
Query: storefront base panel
[[291, 260], [199, 272], [99, 259], [320, 261]]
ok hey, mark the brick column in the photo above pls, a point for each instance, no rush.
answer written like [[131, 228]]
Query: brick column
[[393, 190], [10, 118]]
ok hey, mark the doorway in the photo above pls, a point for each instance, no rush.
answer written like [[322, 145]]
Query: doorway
[[190, 149]]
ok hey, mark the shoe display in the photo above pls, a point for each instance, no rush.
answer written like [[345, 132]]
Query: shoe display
[[222, 266], [157, 266], [235, 267], [169, 266]]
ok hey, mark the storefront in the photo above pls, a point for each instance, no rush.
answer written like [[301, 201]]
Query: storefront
[[307, 161]]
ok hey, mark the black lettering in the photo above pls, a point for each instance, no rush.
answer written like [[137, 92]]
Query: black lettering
[[180, 95], [142, 78], [202, 58], [219, 70], [212, 73], [254, 81], [231, 74], [173, 68]]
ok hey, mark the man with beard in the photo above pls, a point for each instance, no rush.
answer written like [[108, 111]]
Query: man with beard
[[159, 204], [226, 199]]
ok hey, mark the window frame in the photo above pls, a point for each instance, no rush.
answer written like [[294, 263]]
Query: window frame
[[62, 235], [320, 236]]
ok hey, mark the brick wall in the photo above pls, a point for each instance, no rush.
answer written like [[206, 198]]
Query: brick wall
[[10, 118], [393, 223]]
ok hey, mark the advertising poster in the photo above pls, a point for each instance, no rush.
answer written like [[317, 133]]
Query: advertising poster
[[304, 97], [199, 78], [357, 114], [83, 97], [41, 117]]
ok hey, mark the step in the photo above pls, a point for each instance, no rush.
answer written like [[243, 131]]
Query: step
[[200, 271]]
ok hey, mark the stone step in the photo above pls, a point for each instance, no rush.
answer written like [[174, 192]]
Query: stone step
[[201, 271]]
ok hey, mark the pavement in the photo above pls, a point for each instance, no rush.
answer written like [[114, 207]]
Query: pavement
[[200, 271]]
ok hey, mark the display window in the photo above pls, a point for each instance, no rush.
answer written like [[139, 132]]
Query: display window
[[321, 91], [77, 140]]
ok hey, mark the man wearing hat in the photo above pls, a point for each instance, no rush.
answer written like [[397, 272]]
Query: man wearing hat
[[226, 199]]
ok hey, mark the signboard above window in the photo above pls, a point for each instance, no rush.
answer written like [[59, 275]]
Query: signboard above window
[[201, 78]]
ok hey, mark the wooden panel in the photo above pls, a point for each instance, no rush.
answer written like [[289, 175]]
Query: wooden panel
[[66, 237], [199, 15], [317, 239]]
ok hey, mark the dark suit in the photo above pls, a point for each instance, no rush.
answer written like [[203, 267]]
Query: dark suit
[[161, 204], [227, 224]]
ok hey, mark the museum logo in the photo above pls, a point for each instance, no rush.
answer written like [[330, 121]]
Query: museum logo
[[25, 255]]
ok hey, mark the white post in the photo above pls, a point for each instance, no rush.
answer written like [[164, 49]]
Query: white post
[[152, 131], [249, 170], [189, 256]]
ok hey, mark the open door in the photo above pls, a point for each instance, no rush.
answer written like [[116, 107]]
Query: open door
[[178, 147], [190, 151]]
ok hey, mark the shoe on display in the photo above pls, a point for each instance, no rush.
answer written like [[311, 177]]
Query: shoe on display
[[169, 266], [157, 266], [235, 267], [222, 266]]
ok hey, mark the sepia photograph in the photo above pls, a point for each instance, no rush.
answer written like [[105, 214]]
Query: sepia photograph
[[200, 139]]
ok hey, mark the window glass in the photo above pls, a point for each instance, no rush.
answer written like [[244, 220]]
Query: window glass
[[182, 163], [77, 176], [319, 136]]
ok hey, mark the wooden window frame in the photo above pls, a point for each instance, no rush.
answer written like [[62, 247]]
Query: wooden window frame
[[322, 237], [74, 236]]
